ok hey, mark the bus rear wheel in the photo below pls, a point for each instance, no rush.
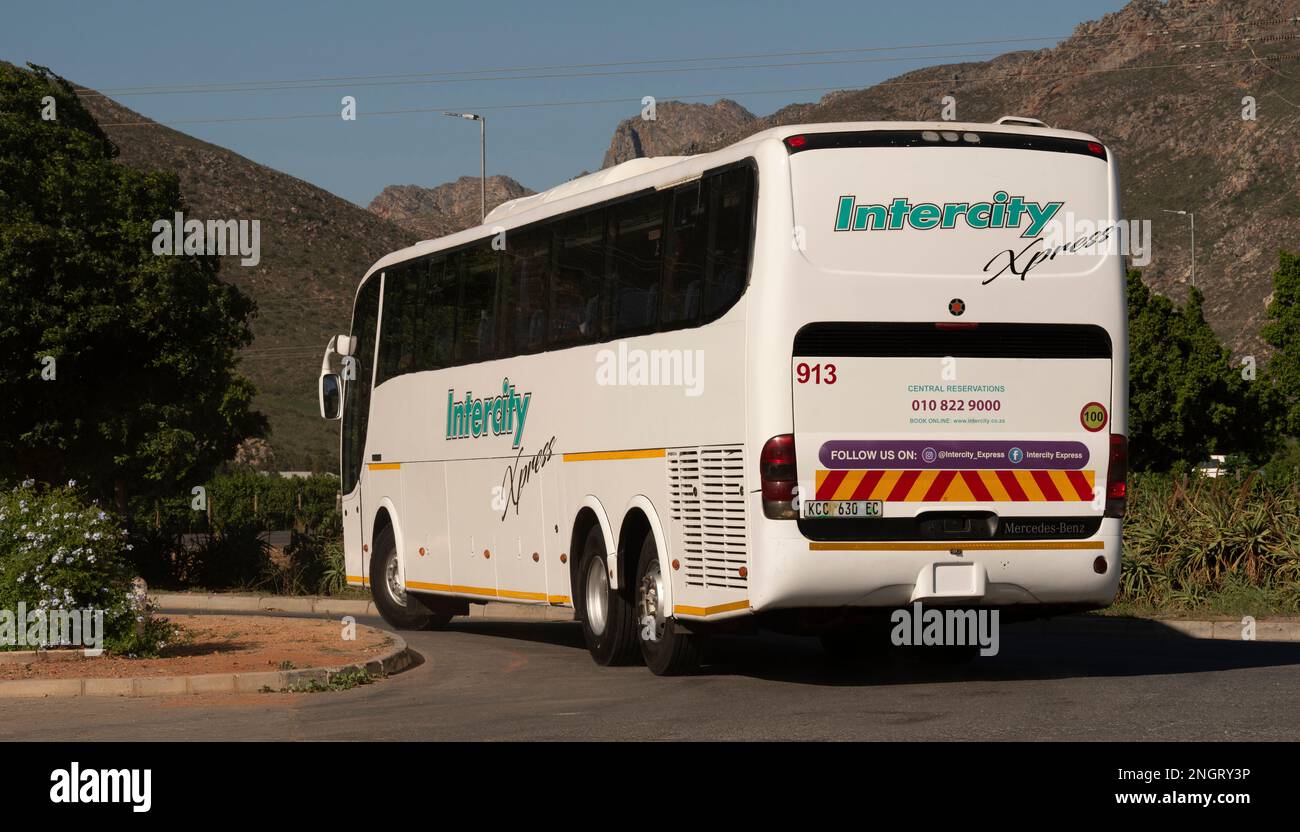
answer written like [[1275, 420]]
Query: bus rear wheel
[[668, 649], [404, 610], [607, 614]]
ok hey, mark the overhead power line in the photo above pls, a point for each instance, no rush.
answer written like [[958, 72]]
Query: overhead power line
[[459, 76], [1011, 77]]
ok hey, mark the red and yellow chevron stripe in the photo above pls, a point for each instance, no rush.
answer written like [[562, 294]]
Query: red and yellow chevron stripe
[[899, 486]]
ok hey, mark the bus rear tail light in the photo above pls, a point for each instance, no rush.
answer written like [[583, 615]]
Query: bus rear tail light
[[779, 475], [1117, 476]]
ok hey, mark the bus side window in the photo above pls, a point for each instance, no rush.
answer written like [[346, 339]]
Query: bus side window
[[685, 257], [636, 263], [507, 301], [731, 209], [578, 278], [435, 326], [356, 390], [394, 325], [476, 339], [528, 261]]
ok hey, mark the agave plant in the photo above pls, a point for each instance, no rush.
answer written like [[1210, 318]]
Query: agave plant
[[1186, 538]]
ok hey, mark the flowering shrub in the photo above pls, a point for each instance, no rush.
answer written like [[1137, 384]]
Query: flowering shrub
[[58, 552]]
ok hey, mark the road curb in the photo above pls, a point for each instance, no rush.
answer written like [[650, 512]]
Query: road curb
[[233, 602], [399, 658], [1233, 630]]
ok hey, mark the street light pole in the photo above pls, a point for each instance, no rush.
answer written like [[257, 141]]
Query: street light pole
[[482, 158], [1191, 215]]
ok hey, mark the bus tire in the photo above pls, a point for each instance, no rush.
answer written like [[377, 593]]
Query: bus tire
[[397, 606], [607, 614], [667, 648]]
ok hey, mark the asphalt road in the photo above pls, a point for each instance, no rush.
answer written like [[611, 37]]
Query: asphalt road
[[533, 680]]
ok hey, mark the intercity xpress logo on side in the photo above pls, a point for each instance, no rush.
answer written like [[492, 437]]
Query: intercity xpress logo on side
[[1003, 212]]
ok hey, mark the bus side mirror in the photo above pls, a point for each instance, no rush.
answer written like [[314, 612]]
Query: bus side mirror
[[331, 401]]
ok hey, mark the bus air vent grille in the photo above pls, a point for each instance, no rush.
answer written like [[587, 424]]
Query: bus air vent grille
[[706, 490]]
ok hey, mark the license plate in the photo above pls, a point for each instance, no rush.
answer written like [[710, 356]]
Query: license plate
[[843, 509]]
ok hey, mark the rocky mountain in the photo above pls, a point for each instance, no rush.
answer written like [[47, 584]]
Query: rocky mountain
[[315, 246], [678, 128], [1163, 84], [435, 212]]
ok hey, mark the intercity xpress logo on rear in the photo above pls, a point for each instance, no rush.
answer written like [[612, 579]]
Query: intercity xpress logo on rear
[[1003, 211]]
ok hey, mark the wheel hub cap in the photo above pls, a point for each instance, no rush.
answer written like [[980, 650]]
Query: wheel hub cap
[[394, 581], [650, 600], [597, 595]]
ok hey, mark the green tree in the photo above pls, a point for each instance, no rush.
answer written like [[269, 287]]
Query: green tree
[[1186, 398], [119, 365], [1282, 331]]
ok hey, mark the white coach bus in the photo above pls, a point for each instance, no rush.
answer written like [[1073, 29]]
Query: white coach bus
[[825, 372]]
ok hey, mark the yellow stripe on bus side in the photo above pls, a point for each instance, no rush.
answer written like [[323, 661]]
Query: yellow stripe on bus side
[[682, 609], [522, 596], [384, 466], [487, 591], [592, 456], [987, 545]]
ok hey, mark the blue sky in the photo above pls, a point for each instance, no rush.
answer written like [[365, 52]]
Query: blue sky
[[155, 44]]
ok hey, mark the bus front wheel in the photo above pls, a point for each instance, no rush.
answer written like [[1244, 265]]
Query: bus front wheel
[[400, 608], [607, 614], [668, 650]]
